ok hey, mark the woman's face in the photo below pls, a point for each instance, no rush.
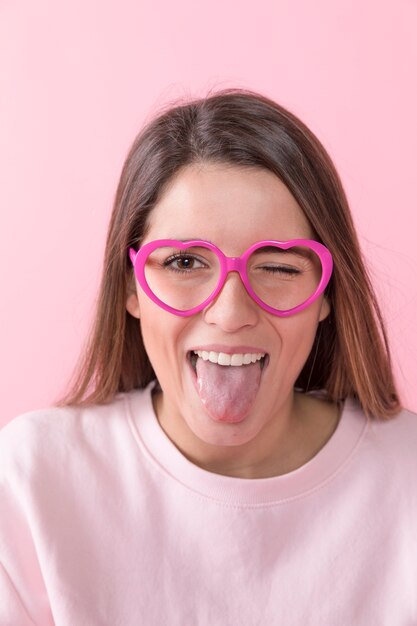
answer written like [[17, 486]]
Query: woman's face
[[233, 207]]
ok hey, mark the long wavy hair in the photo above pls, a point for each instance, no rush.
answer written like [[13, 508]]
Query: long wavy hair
[[350, 355]]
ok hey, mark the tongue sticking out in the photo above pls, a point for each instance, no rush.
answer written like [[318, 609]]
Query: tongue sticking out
[[227, 392]]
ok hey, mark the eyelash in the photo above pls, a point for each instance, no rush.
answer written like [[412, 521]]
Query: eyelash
[[284, 270]]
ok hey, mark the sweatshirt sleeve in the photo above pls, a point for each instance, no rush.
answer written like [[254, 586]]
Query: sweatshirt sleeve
[[12, 611], [23, 596]]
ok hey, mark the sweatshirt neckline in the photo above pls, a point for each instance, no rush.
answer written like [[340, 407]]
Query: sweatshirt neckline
[[163, 453]]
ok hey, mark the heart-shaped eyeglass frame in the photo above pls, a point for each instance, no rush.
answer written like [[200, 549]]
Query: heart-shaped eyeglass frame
[[231, 264]]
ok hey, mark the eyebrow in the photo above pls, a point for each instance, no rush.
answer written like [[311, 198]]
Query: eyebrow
[[193, 239]]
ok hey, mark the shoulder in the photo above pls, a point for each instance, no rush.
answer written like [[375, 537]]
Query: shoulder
[[45, 437], [385, 451], [396, 435], [52, 420]]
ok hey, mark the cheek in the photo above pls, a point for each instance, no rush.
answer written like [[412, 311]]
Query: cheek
[[152, 328], [160, 332], [298, 337]]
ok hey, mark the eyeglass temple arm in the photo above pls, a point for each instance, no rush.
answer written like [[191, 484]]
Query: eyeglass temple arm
[[132, 254]]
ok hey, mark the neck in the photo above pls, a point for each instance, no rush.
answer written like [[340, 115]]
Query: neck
[[293, 435]]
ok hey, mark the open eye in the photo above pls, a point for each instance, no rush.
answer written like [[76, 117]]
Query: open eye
[[183, 262]]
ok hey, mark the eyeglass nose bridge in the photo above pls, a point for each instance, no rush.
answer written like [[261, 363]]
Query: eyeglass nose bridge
[[234, 264]]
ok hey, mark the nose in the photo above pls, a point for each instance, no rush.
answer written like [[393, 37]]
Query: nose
[[233, 308]]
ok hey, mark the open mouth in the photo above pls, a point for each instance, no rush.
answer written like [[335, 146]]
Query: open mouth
[[227, 384]]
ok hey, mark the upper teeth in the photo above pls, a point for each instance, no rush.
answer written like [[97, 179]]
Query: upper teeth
[[221, 358]]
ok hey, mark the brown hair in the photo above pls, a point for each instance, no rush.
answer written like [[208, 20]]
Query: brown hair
[[350, 355]]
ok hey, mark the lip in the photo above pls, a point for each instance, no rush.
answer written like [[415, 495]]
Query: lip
[[217, 347]]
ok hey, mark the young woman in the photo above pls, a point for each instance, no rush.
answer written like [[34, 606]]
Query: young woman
[[233, 449]]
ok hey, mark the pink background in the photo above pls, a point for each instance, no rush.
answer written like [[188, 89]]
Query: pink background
[[78, 80]]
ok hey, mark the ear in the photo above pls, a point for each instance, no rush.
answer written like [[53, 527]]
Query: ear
[[325, 309], [132, 304]]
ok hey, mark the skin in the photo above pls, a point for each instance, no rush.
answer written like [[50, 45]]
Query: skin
[[234, 207]]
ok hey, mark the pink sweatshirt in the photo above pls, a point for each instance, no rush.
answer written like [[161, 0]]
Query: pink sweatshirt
[[104, 522]]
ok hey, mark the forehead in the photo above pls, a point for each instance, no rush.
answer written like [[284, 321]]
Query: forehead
[[228, 205]]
